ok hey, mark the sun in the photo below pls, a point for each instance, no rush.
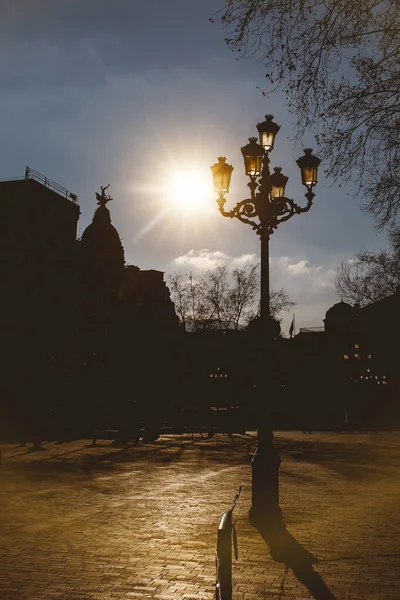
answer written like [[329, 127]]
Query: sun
[[180, 197], [189, 191]]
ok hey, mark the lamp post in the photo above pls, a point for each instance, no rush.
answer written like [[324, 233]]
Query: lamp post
[[266, 208]]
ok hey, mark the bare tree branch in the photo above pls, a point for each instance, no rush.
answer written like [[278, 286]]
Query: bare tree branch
[[221, 299], [339, 64], [370, 277]]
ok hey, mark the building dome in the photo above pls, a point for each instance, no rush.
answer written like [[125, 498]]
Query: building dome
[[340, 310], [340, 318], [101, 252], [101, 237]]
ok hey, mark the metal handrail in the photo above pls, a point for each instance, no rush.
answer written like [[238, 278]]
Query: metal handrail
[[53, 185], [224, 558]]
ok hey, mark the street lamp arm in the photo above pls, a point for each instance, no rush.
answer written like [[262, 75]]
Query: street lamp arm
[[278, 210], [310, 196], [244, 211]]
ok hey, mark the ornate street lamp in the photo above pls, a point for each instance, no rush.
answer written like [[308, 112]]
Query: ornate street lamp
[[266, 208]]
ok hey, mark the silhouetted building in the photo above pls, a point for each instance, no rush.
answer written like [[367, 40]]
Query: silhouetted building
[[38, 222], [84, 338], [347, 373], [38, 225], [145, 293]]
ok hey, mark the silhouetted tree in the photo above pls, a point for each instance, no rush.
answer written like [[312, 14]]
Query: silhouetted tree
[[339, 64], [222, 299], [370, 277], [279, 302]]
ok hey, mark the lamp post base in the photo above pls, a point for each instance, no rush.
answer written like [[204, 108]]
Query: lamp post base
[[265, 510]]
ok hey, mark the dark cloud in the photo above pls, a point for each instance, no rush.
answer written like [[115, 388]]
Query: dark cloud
[[64, 42]]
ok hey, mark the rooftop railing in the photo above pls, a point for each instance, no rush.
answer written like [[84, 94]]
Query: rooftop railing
[[56, 187]]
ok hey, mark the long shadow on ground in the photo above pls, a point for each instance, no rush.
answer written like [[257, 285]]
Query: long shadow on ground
[[371, 458], [286, 549], [86, 462]]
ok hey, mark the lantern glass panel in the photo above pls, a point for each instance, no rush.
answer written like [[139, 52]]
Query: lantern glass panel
[[252, 155], [267, 131], [309, 168], [278, 183], [252, 165], [277, 191], [221, 173], [309, 175], [267, 139]]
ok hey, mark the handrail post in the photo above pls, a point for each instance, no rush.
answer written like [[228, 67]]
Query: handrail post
[[224, 557]]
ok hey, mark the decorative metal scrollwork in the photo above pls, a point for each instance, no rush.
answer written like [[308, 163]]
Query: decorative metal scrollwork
[[269, 212]]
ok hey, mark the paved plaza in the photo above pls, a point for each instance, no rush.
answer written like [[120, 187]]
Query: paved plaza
[[140, 521]]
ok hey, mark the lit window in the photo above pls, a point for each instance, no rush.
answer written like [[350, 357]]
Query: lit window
[[378, 382], [361, 376], [384, 376], [368, 370], [211, 374], [356, 356], [226, 375], [384, 382], [376, 376], [366, 377], [369, 355], [356, 345], [345, 356]]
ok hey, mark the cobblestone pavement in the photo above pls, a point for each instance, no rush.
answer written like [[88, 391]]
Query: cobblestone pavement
[[87, 523]]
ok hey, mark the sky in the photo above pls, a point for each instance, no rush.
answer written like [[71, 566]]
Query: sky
[[145, 96]]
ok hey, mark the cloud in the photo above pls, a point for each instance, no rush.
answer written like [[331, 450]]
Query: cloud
[[306, 277], [199, 260], [310, 286], [353, 261]]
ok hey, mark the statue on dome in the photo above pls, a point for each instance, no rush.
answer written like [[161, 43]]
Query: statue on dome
[[103, 198]]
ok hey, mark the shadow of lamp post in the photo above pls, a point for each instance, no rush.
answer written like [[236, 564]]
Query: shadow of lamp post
[[266, 208]]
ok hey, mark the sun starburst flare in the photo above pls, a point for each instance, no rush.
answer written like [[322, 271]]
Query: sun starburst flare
[[181, 200], [189, 191]]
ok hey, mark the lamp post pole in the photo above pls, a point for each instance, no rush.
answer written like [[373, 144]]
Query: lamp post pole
[[266, 208]]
